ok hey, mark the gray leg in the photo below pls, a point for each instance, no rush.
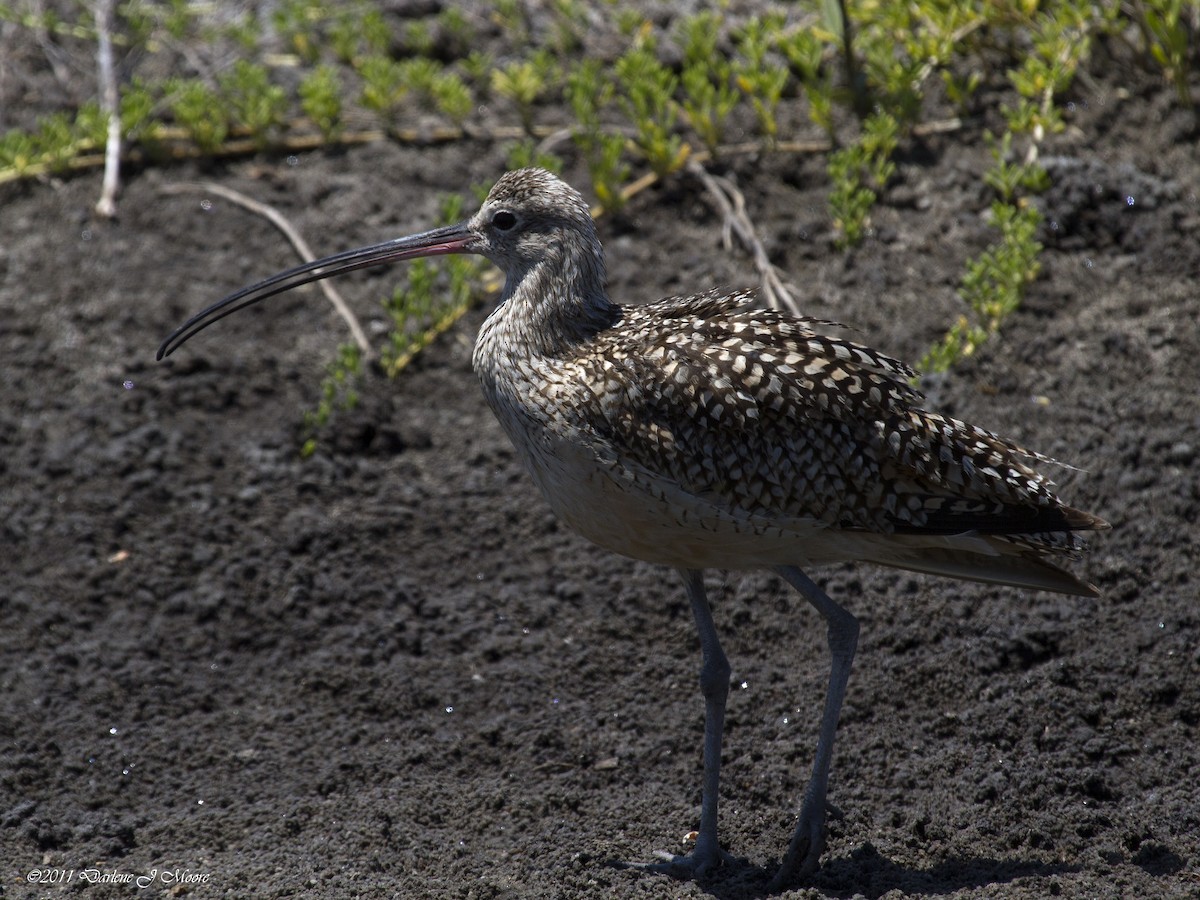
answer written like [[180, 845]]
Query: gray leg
[[809, 840], [714, 685]]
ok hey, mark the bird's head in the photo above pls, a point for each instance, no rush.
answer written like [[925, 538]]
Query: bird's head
[[528, 216]]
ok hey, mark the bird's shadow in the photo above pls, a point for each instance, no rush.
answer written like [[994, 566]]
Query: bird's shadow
[[865, 873]]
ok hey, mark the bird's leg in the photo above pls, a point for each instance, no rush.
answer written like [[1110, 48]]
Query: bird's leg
[[809, 839], [714, 685]]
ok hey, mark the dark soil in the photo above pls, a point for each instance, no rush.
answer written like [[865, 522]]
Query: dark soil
[[387, 671]]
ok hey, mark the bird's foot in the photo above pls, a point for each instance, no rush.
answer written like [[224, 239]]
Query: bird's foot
[[804, 852], [691, 865]]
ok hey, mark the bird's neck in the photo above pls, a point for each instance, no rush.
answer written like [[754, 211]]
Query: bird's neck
[[549, 310]]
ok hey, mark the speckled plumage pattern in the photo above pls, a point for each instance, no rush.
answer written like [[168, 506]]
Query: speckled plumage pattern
[[743, 437]]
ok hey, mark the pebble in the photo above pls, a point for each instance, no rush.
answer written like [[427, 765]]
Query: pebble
[[1181, 454]]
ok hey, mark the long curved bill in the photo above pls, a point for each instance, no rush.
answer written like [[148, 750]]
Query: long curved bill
[[440, 241]]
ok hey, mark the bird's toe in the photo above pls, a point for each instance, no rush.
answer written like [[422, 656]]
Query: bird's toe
[[803, 854], [689, 865]]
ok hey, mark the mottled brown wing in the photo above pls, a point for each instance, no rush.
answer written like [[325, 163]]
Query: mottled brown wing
[[755, 411]]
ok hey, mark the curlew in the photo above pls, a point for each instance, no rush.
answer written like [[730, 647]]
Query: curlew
[[700, 432]]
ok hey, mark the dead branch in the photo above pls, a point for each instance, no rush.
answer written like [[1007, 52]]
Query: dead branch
[[276, 218], [731, 204], [53, 53]]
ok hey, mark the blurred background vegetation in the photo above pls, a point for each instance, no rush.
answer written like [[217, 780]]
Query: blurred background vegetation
[[632, 97]]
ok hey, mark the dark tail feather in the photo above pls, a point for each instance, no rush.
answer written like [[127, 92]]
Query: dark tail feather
[[1019, 569]]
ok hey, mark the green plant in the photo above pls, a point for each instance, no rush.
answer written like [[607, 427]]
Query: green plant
[[857, 172], [456, 30], [511, 16], [245, 31], [630, 21], [345, 37], [452, 97], [435, 292], [647, 95], [90, 128], [992, 285], [567, 22], [255, 103], [297, 24], [1010, 177], [199, 110], [900, 45], [409, 308], [961, 89], [707, 79], [137, 112], [356, 32], [707, 103], [804, 49], [376, 34], [177, 19], [895, 54], [523, 82], [338, 392], [760, 77], [477, 67], [418, 38], [995, 282], [1061, 38], [383, 86], [419, 75], [1166, 35], [321, 99], [56, 141], [18, 151], [588, 92]]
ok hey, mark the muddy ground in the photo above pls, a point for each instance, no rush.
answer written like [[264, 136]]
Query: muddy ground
[[387, 671]]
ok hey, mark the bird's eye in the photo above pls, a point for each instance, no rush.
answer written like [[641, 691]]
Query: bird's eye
[[504, 220]]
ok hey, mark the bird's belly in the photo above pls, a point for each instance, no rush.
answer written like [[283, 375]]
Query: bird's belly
[[657, 521]]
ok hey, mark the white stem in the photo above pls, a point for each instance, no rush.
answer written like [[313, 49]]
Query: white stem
[[110, 103]]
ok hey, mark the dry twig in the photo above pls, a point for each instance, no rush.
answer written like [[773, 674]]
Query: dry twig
[[276, 218], [731, 204], [54, 54]]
